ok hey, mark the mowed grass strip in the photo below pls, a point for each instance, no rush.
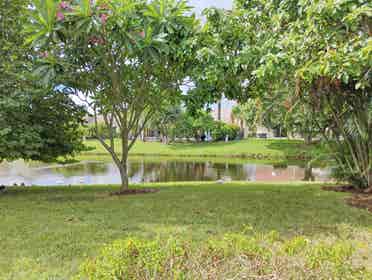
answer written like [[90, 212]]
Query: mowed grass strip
[[278, 148], [53, 230]]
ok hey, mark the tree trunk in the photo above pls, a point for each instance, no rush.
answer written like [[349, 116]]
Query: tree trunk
[[309, 173], [124, 176], [124, 160], [242, 129], [165, 139], [219, 110], [308, 138]]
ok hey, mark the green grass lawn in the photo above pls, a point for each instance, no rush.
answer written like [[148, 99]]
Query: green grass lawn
[[51, 231], [276, 148]]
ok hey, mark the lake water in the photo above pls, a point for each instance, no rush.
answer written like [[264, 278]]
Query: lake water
[[147, 170]]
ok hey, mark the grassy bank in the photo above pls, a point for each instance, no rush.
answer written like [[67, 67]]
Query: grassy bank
[[51, 231], [255, 148]]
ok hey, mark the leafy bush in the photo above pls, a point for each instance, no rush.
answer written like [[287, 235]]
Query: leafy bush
[[194, 126], [220, 130], [243, 256]]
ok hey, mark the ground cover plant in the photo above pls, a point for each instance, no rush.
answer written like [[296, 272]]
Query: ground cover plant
[[248, 255], [51, 232]]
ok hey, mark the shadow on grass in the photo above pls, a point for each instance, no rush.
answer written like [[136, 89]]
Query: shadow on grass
[[197, 146], [292, 148], [289, 148], [293, 209]]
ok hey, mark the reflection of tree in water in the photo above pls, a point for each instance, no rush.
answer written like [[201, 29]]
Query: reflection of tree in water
[[280, 165], [134, 168], [280, 169], [93, 168], [170, 171], [144, 169], [309, 176], [167, 170], [234, 171], [183, 171]]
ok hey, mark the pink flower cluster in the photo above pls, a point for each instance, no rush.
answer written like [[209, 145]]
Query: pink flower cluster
[[63, 6], [60, 16], [103, 18], [66, 6]]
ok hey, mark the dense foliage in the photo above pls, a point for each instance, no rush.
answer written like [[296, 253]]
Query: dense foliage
[[325, 50], [36, 122], [176, 124], [39, 125], [309, 63]]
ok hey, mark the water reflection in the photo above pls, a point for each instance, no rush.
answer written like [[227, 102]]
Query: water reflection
[[145, 170]]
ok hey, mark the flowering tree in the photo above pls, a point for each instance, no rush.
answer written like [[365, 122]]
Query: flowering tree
[[125, 58]]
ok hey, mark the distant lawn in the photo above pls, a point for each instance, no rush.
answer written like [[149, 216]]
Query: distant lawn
[[276, 148], [51, 231]]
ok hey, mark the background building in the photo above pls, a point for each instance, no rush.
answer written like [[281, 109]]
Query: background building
[[223, 111]]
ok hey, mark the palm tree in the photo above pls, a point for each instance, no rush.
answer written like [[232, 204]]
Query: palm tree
[[238, 113]]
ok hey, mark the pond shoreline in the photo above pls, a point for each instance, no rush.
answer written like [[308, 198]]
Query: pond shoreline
[[258, 156], [147, 169]]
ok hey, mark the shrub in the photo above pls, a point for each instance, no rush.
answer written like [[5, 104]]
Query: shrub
[[220, 130], [137, 259], [348, 167]]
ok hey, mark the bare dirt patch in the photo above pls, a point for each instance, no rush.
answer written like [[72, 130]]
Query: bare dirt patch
[[360, 198]]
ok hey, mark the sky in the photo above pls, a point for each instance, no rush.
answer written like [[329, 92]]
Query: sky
[[200, 5]]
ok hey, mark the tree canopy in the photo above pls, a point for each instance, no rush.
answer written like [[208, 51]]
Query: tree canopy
[[324, 53], [312, 58]]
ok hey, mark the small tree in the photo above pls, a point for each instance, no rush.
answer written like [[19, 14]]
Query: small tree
[[166, 120], [127, 58], [249, 113]]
